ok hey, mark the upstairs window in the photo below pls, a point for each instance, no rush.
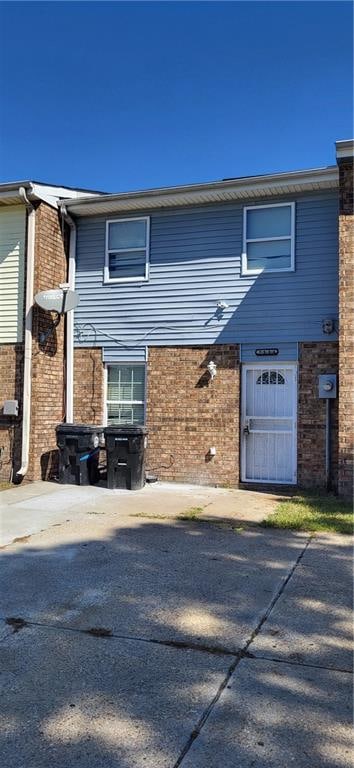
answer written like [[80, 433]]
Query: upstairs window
[[268, 239], [125, 394], [127, 250]]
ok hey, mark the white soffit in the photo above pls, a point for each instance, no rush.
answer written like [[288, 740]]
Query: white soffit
[[247, 188]]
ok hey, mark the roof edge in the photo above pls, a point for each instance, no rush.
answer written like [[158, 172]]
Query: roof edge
[[344, 148], [208, 192], [47, 193]]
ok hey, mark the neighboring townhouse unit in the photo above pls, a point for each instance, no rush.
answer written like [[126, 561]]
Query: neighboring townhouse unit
[[32, 363], [242, 276]]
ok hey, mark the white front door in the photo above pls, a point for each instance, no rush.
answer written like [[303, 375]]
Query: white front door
[[268, 424]]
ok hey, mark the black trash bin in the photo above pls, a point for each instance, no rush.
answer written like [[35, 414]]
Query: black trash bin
[[125, 457], [78, 453]]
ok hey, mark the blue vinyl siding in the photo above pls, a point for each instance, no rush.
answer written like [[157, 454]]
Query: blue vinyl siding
[[195, 260], [119, 354], [287, 352]]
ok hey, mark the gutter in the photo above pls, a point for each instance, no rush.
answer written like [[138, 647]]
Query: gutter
[[344, 149], [27, 375], [217, 191], [15, 186], [69, 399]]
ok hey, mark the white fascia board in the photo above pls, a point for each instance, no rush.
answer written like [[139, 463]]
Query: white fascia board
[[53, 195], [219, 191], [9, 193], [344, 149]]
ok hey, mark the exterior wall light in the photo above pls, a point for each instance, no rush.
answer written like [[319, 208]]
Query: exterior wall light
[[328, 325], [212, 369]]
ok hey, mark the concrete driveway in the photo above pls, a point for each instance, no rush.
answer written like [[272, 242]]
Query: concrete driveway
[[29, 509], [132, 638]]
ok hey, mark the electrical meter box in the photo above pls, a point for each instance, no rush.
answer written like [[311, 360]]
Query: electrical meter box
[[10, 408], [327, 385]]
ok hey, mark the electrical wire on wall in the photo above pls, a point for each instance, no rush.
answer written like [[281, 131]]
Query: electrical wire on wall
[[163, 466], [82, 337]]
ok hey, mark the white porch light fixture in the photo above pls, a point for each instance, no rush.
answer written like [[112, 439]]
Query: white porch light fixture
[[211, 367]]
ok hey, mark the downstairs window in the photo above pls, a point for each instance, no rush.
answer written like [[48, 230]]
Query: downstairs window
[[125, 394]]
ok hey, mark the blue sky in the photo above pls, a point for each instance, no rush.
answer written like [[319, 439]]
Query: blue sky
[[119, 96]]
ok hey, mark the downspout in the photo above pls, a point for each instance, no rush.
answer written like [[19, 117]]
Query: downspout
[[69, 410], [27, 374]]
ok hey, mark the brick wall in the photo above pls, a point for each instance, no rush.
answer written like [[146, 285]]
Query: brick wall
[[346, 328], [315, 358], [187, 413], [88, 386], [11, 384], [48, 374]]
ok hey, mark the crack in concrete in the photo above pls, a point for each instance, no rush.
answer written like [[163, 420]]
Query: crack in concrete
[[241, 654], [27, 537], [16, 623], [103, 632], [277, 660], [179, 645]]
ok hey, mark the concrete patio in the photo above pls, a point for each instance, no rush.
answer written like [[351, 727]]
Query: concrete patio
[[131, 637], [30, 508]]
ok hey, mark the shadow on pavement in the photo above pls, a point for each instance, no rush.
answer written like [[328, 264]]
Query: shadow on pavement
[[126, 700]]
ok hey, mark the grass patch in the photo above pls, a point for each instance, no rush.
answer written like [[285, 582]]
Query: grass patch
[[149, 516], [225, 526], [312, 513], [191, 513], [5, 486]]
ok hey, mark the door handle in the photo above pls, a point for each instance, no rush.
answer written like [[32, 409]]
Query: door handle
[[246, 430]]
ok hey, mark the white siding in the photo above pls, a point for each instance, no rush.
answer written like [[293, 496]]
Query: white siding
[[12, 271]]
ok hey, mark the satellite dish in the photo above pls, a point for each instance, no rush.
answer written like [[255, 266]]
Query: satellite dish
[[57, 300]]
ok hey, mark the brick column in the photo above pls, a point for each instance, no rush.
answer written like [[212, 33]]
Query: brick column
[[315, 358], [48, 356], [346, 319], [88, 386]]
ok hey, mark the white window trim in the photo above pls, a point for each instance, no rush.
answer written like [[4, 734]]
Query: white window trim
[[106, 276], [130, 402], [246, 240]]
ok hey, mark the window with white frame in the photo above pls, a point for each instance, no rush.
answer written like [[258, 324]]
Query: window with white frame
[[127, 249], [268, 238], [125, 394]]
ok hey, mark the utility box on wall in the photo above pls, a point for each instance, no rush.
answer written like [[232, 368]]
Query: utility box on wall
[[10, 408], [327, 385]]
